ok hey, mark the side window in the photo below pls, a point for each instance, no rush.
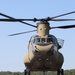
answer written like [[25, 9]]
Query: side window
[[60, 42]]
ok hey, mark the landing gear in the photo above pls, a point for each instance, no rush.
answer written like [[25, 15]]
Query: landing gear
[[60, 72], [26, 72]]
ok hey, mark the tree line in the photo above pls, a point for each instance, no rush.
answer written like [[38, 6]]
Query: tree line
[[66, 72]]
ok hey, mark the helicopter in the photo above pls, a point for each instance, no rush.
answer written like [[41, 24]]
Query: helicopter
[[43, 48]]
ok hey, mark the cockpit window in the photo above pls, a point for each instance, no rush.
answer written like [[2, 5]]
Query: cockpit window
[[42, 40], [49, 39], [36, 40]]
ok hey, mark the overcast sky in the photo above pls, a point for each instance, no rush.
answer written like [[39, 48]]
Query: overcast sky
[[13, 49]]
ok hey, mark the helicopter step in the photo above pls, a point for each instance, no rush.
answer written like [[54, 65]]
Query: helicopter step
[[59, 72]]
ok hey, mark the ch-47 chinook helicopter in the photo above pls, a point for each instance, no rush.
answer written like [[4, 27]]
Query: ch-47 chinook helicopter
[[43, 48]]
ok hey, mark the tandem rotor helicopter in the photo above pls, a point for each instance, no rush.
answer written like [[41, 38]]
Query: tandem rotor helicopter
[[43, 48]]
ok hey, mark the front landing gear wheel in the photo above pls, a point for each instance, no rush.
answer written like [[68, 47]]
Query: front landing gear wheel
[[26, 72], [60, 72]]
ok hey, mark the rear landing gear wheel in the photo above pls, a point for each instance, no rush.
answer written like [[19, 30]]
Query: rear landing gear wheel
[[26, 72]]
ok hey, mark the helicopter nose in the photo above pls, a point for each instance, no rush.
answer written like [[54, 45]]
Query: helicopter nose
[[43, 48]]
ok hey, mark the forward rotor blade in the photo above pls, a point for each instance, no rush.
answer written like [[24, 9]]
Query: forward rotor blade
[[64, 27], [14, 18], [22, 33], [63, 20], [20, 20], [63, 15]]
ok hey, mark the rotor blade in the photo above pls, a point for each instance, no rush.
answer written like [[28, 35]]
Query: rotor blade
[[63, 15], [12, 20], [64, 27], [15, 20], [62, 19], [22, 33], [19, 21]]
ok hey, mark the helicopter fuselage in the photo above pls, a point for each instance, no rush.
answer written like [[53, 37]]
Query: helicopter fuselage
[[43, 51], [43, 54]]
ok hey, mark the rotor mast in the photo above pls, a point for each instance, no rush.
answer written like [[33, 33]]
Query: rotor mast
[[43, 28]]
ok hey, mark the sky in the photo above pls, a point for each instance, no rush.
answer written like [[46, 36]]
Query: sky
[[13, 49]]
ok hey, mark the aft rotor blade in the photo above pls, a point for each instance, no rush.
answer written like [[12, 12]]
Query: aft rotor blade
[[64, 27], [21, 33], [63, 20], [18, 21], [63, 14]]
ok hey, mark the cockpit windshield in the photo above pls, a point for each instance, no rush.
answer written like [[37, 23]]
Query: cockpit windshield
[[42, 40], [36, 40]]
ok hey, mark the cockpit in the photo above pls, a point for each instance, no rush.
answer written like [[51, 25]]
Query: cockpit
[[48, 40], [40, 43], [42, 40]]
